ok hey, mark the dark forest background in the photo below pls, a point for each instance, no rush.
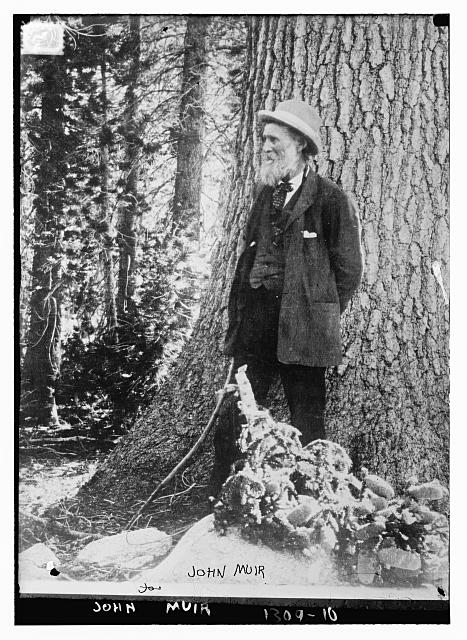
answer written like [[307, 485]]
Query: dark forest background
[[124, 142]]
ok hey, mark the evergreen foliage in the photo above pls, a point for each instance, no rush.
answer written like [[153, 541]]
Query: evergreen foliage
[[127, 288]]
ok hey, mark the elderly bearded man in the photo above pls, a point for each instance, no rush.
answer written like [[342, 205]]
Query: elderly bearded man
[[300, 265]]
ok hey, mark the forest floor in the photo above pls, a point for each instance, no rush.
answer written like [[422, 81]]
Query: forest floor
[[50, 512]]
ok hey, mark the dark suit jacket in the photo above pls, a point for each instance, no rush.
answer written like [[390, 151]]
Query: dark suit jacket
[[323, 267]]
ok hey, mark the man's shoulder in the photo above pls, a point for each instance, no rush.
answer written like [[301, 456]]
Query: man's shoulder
[[331, 191]]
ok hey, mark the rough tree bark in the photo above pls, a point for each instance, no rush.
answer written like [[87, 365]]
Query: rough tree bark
[[186, 202], [381, 87], [42, 359], [127, 232], [106, 258], [187, 188]]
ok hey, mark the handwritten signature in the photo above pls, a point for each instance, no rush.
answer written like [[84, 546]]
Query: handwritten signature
[[147, 587]]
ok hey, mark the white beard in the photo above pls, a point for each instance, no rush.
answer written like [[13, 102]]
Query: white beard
[[272, 172]]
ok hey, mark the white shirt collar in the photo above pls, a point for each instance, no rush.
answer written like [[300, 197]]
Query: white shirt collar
[[296, 181]]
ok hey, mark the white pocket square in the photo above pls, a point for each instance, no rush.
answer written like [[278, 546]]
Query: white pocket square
[[309, 234]]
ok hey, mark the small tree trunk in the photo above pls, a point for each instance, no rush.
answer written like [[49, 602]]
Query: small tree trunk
[[186, 204], [129, 214], [187, 189], [106, 252], [42, 359]]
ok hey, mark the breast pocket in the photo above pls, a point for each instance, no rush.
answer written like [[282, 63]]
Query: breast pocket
[[310, 248]]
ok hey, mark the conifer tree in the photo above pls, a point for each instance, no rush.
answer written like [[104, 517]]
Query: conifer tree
[[47, 133]]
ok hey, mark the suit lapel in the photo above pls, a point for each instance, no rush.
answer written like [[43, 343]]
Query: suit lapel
[[305, 199]]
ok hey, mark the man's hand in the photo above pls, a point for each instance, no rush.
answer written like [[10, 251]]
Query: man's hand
[[230, 388]]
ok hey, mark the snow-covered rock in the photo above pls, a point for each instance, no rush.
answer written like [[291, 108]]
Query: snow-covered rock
[[204, 557], [127, 550]]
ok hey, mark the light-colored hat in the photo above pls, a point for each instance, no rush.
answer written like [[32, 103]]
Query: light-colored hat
[[299, 116]]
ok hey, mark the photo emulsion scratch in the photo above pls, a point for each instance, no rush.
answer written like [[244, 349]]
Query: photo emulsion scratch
[[233, 318]]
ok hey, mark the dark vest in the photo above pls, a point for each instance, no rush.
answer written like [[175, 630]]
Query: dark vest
[[269, 265]]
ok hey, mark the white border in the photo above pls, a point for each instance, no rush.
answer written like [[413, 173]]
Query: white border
[[458, 287]]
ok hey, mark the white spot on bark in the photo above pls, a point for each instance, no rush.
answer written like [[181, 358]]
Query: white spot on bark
[[387, 80], [436, 268]]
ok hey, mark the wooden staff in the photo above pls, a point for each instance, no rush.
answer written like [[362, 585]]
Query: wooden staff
[[191, 452]]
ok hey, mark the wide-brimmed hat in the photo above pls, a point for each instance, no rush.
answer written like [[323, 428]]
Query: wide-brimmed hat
[[299, 116]]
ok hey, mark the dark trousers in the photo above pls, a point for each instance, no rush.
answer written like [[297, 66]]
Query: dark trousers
[[304, 387]]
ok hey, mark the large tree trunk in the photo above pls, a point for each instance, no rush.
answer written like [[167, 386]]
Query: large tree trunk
[[42, 359], [381, 87]]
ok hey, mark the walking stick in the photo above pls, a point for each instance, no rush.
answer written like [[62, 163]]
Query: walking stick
[[191, 452]]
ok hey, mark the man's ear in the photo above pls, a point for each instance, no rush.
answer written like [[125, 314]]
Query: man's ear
[[302, 144]]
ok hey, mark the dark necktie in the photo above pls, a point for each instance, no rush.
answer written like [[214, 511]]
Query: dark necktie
[[277, 219], [280, 193]]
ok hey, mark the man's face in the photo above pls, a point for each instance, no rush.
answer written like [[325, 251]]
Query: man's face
[[281, 156]]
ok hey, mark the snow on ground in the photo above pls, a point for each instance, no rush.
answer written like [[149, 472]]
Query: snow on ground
[[42, 483]]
